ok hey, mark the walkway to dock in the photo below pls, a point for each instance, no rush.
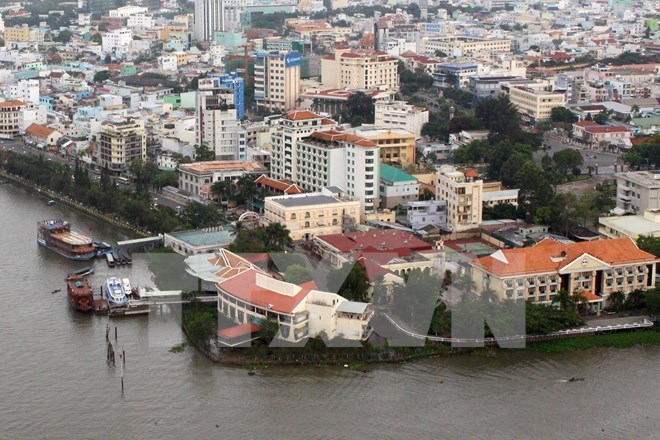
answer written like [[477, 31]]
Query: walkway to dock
[[643, 322]]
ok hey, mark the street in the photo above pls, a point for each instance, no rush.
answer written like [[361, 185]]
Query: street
[[604, 161]]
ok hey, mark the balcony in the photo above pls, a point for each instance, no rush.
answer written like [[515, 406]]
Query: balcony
[[299, 319]]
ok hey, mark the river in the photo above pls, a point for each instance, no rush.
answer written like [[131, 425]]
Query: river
[[54, 381]]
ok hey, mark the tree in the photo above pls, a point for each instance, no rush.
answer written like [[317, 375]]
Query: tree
[[359, 104], [603, 116], [534, 189], [204, 154], [616, 300], [501, 117], [413, 9], [276, 237], [564, 299], [500, 211], [649, 244], [562, 114], [355, 287], [567, 159], [297, 274], [101, 76], [63, 37], [198, 215], [222, 190]]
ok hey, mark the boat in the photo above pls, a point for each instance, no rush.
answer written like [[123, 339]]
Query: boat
[[56, 290], [115, 293], [51, 202], [82, 272], [79, 293], [126, 284], [57, 236], [110, 259], [101, 248]]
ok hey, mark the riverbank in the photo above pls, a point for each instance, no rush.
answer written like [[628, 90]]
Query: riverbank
[[607, 340], [52, 195], [258, 354]]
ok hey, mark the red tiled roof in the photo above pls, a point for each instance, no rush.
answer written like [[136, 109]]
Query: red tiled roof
[[239, 330], [607, 129], [11, 103], [376, 240], [539, 258], [244, 287], [285, 187], [586, 123]]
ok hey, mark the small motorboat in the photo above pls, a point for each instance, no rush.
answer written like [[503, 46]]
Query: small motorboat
[[82, 272], [55, 291], [115, 292], [576, 379], [51, 202]]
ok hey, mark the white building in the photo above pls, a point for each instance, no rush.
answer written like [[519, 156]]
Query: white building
[[426, 212], [294, 126], [360, 69], [167, 62], [197, 178], [117, 40], [140, 20], [217, 124], [399, 114], [26, 90], [217, 15], [127, 11], [462, 190], [492, 198]]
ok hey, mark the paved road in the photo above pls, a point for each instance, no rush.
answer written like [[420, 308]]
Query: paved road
[[605, 161]]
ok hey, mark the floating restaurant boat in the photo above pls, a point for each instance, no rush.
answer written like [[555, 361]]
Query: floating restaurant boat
[[79, 293], [115, 292], [57, 236]]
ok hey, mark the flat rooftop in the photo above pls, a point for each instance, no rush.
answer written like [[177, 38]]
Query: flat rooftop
[[644, 178], [494, 195], [201, 238], [634, 224], [305, 200], [223, 165]]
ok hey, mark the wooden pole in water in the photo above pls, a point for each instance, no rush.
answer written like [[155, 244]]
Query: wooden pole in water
[[107, 330], [115, 333], [123, 355], [122, 378]]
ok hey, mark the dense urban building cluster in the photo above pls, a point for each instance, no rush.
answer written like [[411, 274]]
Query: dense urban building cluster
[[399, 135]]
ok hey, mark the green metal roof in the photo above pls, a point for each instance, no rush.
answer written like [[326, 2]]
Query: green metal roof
[[392, 174]]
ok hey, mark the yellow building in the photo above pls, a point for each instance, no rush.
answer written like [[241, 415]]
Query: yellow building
[[534, 104], [17, 34], [181, 58], [594, 269], [311, 215], [397, 146], [360, 69]]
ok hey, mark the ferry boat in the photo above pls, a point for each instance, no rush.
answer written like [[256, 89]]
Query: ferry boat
[[79, 293], [57, 236], [115, 292]]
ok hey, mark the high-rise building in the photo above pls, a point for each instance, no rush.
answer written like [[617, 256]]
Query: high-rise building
[[307, 151], [217, 15], [294, 126], [26, 90], [399, 114], [120, 143], [237, 84], [217, 120], [277, 79]]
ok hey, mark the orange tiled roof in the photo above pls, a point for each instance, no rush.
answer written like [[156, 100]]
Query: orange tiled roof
[[39, 130], [551, 256], [300, 115], [11, 103], [285, 187]]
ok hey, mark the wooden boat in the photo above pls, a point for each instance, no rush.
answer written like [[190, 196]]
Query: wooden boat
[[79, 293], [57, 236]]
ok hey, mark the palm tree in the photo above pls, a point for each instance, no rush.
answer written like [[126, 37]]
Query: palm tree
[[248, 187], [488, 295], [222, 189], [238, 227], [564, 299], [276, 237]]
